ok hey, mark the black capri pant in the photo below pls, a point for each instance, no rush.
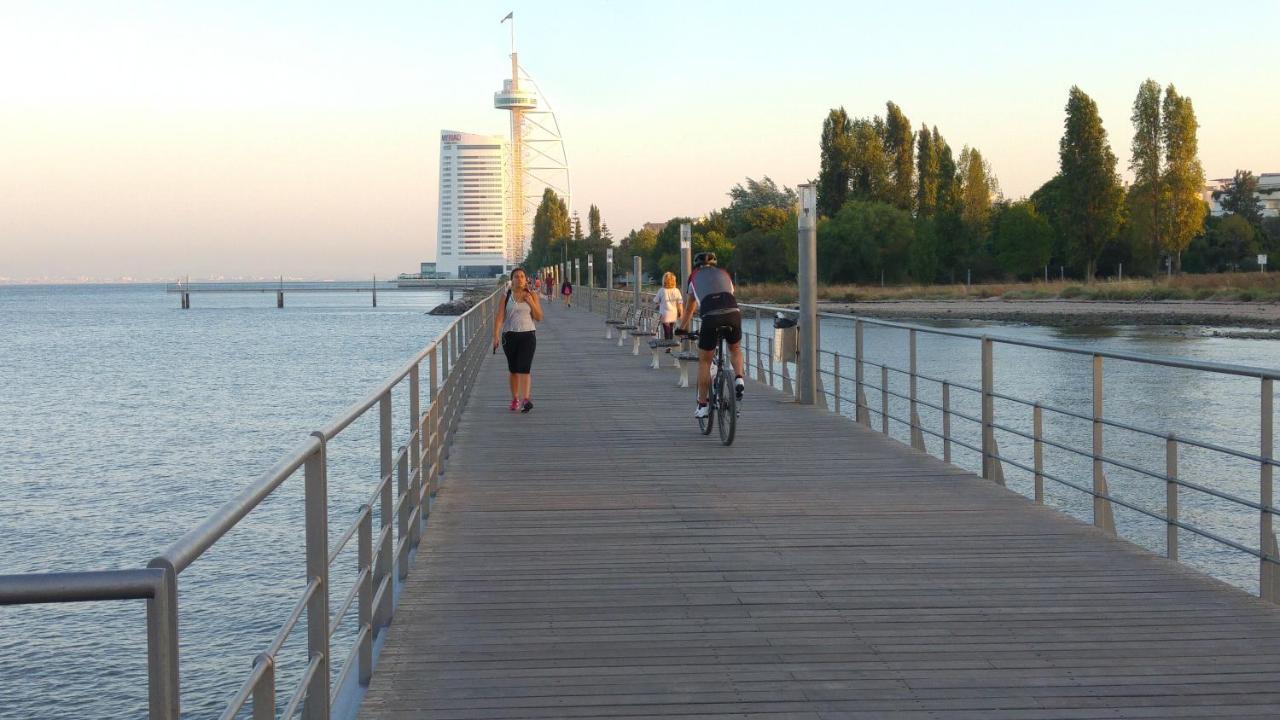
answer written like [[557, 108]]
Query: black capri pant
[[519, 347]]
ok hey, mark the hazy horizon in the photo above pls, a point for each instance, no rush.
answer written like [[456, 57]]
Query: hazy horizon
[[246, 141]]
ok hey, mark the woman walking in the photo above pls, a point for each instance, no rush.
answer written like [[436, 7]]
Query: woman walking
[[514, 328], [566, 292], [668, 303]]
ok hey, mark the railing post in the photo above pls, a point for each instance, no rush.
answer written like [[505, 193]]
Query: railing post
[[946, 422], [365, 599], [406, 509], [759, 346], [164, 699], [884, 399], [386, 551], [1268, 577], [771, 354], [433, 422], [990, 453], [264, 691], [1102, 513], [415, 449], [1037, 430], [917, 435], [1171, 496], [862, 413], [316, 706], [835, 358]]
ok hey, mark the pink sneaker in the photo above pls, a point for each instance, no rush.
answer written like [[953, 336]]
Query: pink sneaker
[[515, 404]]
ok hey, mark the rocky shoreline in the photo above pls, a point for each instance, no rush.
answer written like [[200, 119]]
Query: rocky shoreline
[[458, 306]]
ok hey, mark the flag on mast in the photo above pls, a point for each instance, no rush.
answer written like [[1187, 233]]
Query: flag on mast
[[510, 16]]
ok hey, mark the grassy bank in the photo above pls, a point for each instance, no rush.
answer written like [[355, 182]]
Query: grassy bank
[[1237, 287]]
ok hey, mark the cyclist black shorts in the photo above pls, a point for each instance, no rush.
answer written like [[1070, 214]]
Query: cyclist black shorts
[[731, 322]]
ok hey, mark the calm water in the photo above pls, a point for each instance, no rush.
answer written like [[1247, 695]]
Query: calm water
[[124, 421]]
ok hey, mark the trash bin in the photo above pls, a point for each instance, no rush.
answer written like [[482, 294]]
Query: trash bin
[[786, 338]]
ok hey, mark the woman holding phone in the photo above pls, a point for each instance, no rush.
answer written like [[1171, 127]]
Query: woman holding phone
[[513, 328]]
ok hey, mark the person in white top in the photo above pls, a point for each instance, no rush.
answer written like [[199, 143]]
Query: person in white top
[[514, 328], [668, 302]]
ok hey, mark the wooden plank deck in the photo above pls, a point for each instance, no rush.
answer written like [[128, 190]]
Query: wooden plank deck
[[598, 558]]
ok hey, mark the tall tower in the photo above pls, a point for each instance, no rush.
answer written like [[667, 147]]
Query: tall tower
[[538, 159]]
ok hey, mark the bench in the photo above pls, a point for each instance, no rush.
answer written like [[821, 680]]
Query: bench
[[644, 327], [687, 356], [658, 344], [613, 321], [628, 323]]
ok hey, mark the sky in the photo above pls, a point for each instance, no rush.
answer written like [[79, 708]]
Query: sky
[[151, 140]]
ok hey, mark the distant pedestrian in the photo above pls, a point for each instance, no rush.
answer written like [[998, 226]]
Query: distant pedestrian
[[537, 283], [668, 302], [566, 292], [514, 327]]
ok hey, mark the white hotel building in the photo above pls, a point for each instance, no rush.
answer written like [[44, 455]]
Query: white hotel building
[[471, 234]]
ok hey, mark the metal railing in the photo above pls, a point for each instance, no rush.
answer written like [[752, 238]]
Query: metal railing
[[761, 356], [402, 498], [760, 353]]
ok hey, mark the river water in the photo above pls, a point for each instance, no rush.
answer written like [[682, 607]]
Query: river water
[[124, 421]]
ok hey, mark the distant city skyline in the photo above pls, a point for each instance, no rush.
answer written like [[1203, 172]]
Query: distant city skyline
[[242, 140]]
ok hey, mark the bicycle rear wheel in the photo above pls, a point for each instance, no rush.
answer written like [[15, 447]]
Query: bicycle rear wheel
[[726, 408], [705, 423]]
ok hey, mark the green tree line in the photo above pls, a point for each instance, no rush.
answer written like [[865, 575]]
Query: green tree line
[[897, 204]]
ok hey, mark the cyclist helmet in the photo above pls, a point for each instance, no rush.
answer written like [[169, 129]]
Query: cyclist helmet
[[704, 258]]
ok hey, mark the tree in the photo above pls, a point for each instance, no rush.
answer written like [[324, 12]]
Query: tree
[[1021, 238], [899, 146], [1146, 197], [926, 173], [978, 188], [767, 255], [1090, 190], [923, 256], [1184, 176], [593, 221], [763, 193], [869, 170], [863, 239], [1241, 198], [836, 152], [550, 229]]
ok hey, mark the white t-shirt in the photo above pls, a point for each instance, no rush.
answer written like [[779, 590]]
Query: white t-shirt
[[668, 300]]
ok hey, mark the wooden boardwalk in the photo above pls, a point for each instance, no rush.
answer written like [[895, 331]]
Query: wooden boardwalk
[[598, 558]]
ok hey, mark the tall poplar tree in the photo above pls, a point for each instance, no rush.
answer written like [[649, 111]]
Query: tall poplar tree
[[1183, 175], [869, 168], [1146, 196], [926, 173], [1090, 189], [899, 146], [836, 150]]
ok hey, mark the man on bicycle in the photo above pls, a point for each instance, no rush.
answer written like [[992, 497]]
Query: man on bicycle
[[711, 293]]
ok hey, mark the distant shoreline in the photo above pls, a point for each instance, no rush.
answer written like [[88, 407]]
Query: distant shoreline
[[1072, 312]]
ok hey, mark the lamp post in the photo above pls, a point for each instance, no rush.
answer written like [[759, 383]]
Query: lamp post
[[807, 364], [686, 257]]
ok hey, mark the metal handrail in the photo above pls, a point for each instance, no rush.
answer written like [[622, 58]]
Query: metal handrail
[[1267, 550], [450, 363]]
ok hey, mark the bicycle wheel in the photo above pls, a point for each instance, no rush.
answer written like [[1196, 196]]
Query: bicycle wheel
[[726, 408], [705, 423]]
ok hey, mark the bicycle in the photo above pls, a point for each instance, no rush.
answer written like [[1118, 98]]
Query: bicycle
[[721, 396]]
